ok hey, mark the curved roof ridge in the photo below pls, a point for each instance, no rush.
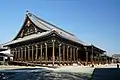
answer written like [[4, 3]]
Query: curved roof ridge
[[36, 22], [53, 26]]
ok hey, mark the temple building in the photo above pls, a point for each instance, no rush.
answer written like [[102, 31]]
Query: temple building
[[41, 42]]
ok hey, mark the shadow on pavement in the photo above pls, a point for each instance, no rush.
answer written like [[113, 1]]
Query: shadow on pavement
[[106, 74], [40, 74]]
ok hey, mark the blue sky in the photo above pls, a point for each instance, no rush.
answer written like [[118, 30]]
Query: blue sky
[[93, 21]]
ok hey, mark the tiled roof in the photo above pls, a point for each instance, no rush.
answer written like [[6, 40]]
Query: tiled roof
[[49, 28], [30, 37]]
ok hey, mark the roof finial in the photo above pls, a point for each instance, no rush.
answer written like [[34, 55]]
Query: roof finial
[[27, 12]]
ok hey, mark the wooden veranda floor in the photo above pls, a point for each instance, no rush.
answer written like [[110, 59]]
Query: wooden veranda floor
[[38, 63]]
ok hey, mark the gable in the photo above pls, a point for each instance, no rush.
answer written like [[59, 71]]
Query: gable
[[28, 28]]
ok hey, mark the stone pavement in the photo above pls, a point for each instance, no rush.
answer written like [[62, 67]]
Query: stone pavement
[[106, 74], [40, 74]]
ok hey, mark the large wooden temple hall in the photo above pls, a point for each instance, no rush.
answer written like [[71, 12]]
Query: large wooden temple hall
[[41, 42]]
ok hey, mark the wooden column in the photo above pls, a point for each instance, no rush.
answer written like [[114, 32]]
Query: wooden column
[[71, 55], [67, 53], [19, 54], [32, 53], [15, 54], [46, 52], [77, 54], [74, 54], [59, 54], [28, 53], [63, 52], [53, 54], [41, 53], [25, 54], [86, 52], [36, 52]]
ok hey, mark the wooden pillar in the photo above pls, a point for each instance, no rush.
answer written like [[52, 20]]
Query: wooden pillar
[[74, 54], [41, 53], [67, 53], [36, 52], [77, 54], [21, 54], [86, 52], [63, 52], [53, 54], [28, 53], [59, 54], [25, 54], [15, 54], [32, 53], [46, 52], [71, 55]]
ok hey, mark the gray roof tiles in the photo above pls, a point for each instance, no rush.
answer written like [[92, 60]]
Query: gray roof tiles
[[30, 37], [48, 27]]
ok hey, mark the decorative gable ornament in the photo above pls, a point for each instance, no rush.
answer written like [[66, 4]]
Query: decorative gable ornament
[[28, 23]]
